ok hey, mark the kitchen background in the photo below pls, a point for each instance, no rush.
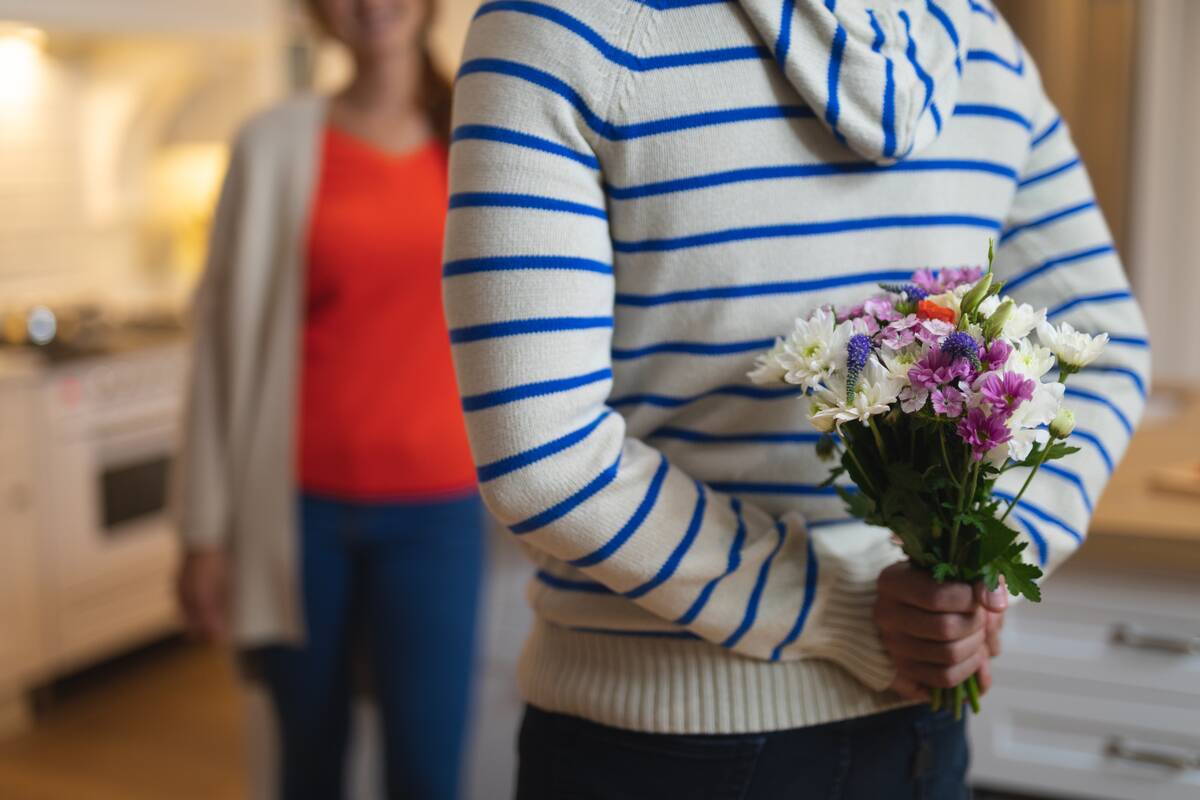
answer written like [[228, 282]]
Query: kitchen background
[[114, 116]]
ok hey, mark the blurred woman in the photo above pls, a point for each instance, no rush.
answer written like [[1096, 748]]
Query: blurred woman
[[327, 489]]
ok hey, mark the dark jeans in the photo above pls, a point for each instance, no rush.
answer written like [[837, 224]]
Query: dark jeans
[[404, 577], [912, 753]]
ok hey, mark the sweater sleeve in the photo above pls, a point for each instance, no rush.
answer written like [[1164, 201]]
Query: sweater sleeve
[[529, 297], [1056, 251], [201, 476]]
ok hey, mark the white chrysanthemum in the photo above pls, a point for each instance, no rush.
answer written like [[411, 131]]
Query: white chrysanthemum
[[768, 368], [1030, 360], [899, 361], [815, 349], [876, 390], [1074, 349], [1021, 320], [1027, 423]]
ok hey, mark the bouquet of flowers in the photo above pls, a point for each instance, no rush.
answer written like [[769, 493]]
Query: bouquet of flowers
[[930, 391]]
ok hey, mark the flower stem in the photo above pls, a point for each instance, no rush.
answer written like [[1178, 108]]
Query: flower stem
[[883, 452], [1028, 478], [946, 458], [861, 469], [973, 471], [959, 693], [973, 693], [935, 699]]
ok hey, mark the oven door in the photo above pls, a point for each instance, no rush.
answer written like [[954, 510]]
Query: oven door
[[113, 548]]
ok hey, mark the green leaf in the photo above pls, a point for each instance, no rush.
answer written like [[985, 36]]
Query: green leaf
[[1021, 579], [903, 477], [857, 503], [996, 540], [943, 572]]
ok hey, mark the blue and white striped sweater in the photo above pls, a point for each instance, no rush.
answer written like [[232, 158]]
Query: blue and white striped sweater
[[642, 198]]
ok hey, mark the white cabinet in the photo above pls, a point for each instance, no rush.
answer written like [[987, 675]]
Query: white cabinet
[[19, 633], [1098, 691], [148, 16]]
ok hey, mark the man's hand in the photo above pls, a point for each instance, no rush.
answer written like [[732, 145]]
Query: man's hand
[[937, 634], [203, 589]]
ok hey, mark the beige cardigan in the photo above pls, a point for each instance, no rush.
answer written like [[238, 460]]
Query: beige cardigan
[[235, 478]]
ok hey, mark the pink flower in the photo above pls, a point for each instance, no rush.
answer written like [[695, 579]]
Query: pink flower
[[1005, 392], [932, 331], [948, 401], [995, 355], [982, 431], [850, 312], [937, 369], [946, 279], [901, 333], [882, 308]]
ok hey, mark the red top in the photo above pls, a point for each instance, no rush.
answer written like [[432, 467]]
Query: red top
[[379, 411]]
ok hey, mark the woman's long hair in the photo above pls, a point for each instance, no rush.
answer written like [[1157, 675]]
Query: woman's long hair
[[436, 91]]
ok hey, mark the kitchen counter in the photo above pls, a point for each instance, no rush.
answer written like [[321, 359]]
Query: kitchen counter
[[1137, 521]]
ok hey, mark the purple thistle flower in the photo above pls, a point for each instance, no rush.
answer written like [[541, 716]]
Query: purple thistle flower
[[857, 351], [913, 292], [962, 345], [1006, 392], [982, 431]]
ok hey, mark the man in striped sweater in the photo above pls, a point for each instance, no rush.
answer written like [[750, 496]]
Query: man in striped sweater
[[644, 194]]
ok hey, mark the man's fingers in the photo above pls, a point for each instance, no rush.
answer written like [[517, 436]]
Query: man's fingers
[[940, 677], [994, 623], [909, 689], [903, 583], [985, 676], [936, 653], [928, 625], [993, 600]]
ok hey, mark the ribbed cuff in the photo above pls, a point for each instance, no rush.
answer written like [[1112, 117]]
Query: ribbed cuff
[[685, 686]]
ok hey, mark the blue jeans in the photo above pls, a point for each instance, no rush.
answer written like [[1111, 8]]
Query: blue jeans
[[912, 753], [405, 578]]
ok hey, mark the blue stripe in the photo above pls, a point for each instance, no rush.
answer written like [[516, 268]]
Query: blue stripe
[[1094, 440], [1052, 217], [701, 437], [564, 507], [756, 593], [1083, 394], [1042, 514], [1038, 177], [530, 201], [732, 563], [1128, 373], [669, 401], [615, 54], [1130, 341], [510, 464], [803, 229], [470, 266], [492, 133], [615, 132], [637, 634], [691, 348], [783, 42], [997, 112], [911, 53], [477, 402], [1058, 261], [1041, 137], [672, 563], [941, 17], [802, 489], [1039, 542], [1072, 477], [810, 593], [836, 52], [889, 90], [789, 171], [631, 526], [517, 327], [761, 289], [1102, 297], [979, 8], [567, 585], [990, 57], [668, 5]]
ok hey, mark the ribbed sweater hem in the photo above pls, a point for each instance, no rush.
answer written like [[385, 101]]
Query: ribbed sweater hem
[[685, 687]]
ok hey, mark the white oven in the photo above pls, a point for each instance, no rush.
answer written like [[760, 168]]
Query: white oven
[[108, 549]]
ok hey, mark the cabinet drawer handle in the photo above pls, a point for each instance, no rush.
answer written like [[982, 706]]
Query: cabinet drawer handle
[[1118, 748], [1179, 645]]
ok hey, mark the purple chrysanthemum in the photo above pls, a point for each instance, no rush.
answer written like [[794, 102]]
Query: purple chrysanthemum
[[858, 349], [962, 345], [945, 279], [995, 355], [982, 431], [938, 368], [1006, 392]]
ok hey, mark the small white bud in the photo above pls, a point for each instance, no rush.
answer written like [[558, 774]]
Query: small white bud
[[1063, 424]]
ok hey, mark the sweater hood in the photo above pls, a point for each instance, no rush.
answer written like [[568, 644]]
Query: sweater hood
[[882, 75]]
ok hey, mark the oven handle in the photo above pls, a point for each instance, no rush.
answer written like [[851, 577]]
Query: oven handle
[[1119, 749], [1126, 636]]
